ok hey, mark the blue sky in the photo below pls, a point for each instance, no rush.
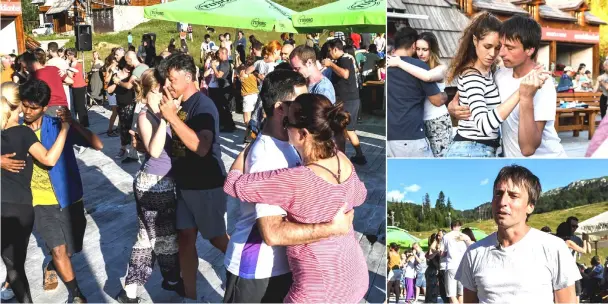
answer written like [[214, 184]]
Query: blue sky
[[468, 183]]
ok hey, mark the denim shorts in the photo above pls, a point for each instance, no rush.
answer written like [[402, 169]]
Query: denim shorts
[[470, 149], [420, 280]]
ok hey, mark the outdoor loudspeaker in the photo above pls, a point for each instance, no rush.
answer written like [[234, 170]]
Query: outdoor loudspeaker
[[84, 37]]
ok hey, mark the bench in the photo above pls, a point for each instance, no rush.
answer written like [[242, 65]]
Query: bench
[[578, 119]]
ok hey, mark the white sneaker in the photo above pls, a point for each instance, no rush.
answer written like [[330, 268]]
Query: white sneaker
[[7, 293]]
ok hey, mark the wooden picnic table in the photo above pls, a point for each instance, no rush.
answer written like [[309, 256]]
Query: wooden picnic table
[[374, 85], [579, 115]]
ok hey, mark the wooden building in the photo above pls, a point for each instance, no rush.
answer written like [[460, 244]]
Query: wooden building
[[570, 33], [60, 13], [11, 33]]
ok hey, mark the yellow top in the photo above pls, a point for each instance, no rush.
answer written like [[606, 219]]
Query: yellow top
[[393, 259], [42, 189], [249, 85], [7, 74]]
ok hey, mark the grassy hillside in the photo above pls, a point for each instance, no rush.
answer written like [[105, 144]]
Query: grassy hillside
[[551, 219], [165, 30]]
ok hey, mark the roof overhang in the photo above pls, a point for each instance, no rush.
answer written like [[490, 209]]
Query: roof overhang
[[405, 16]]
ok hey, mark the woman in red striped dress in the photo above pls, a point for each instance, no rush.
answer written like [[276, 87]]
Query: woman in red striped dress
[[334, 269]]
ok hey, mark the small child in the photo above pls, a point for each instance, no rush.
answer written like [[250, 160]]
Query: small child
[[249, 90], [190, 32], [409, 273]]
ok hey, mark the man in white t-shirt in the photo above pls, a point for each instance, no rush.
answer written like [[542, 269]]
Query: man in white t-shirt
[[256, 260], [454, 244], [530, 128], [517, 264]]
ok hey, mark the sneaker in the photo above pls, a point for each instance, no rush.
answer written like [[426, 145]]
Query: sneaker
[[177, 287], [78, 299], [50, 280], [7, 293], [121, 154], [129, 160], [123, 298], [112, 133], [358, 159]]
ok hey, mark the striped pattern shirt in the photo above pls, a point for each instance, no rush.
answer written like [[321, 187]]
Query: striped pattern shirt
[[332, 270], [481, 95]]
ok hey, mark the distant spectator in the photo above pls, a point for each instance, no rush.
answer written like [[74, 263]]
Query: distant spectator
[[130, 39], [356, 39], [546, 229], [565, 82]]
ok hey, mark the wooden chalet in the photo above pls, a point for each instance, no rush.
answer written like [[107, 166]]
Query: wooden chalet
[[11, 33]]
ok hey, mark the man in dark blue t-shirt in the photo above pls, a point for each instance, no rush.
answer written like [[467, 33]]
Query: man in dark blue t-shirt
[[405, 102]]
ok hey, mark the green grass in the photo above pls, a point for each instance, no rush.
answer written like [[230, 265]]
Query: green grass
[[165, 30], [551, 219]]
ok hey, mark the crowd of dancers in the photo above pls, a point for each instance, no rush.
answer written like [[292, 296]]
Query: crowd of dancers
[[300, 103]]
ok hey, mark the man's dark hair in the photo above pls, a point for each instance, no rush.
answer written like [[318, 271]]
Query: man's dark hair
[[373, 49], [571, 218], [181, 62], [405, 38], [523, 178], [207, 36], [241, 32], [53, 47], [335, 43], [283, 66], [70, 52], [394, 246], [35, 91], [546, 229], [257, 45], [523, 29], [456, 223], [40, 55], [279, 86]]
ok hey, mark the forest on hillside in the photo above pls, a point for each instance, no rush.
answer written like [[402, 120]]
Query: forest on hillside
[[428, 216]]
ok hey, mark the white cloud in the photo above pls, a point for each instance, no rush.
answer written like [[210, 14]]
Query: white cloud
[[395, 195], [484, 182], [412, 188]]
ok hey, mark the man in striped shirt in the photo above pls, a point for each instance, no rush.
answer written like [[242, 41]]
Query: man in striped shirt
[[256, 259], [529, 130]]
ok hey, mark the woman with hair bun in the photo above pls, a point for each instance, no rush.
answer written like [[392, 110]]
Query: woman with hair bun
[[334, 269]]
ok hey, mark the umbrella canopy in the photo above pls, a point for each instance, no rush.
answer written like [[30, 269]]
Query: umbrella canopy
[[596, 226], [479, 235], [400, 236], [263, 15], [368, 16]]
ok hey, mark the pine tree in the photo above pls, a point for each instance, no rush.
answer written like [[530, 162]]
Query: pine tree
[[440, 203], [426, 204], [450, 209]]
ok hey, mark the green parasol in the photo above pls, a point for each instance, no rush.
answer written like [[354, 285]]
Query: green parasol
[[400, 236], [263, 15], [479, 234], [367, 16]]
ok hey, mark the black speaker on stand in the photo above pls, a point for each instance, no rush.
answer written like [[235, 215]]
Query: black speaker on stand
[[84, 37]]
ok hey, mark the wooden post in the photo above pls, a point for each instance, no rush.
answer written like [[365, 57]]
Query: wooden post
[[553, 52], [20, 33]]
